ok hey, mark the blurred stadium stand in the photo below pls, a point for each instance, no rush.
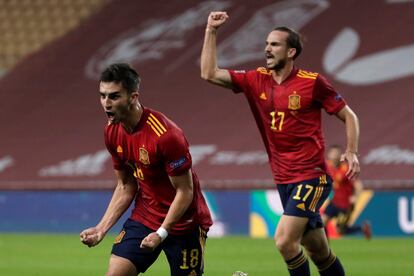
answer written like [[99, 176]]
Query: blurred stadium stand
[[51, 53], [28, 25]]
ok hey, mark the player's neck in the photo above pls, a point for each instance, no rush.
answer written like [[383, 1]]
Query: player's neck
[[133, 119], [280, 75]]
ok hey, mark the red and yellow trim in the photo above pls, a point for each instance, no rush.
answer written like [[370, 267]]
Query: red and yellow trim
[[306, 75], [263, 71], [156, 125]]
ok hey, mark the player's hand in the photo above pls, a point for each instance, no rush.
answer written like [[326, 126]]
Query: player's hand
[[151, 241], [353, 164], [216, 19], [91, 236]]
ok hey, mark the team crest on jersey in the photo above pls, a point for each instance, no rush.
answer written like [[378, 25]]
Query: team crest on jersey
[[144, 156], [294, 101]]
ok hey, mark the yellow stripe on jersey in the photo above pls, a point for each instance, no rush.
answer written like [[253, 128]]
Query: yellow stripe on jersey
[[158, 122], [156, 125], [154, 129], [263, 70], [306, 75]]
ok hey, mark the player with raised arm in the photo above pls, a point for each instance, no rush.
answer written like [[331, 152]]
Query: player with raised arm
[[286, 102], [152, 163]]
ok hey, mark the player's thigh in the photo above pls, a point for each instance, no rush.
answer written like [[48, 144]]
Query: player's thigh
[[119, 266], [127, 246], [185, 253], [290, 229]]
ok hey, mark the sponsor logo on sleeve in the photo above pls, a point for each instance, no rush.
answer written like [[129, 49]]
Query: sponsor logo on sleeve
[[177, 163], [338, 97], [239, 71]]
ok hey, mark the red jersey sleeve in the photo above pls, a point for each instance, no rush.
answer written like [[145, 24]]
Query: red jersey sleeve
[[324, 93], [174, 150], [239, 79]]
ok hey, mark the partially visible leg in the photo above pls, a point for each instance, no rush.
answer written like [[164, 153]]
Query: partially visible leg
[[288, 237], [316, 245], [366, 229], [185, 254], [127, 257], [119, 266], [326, 221], [331, 212]]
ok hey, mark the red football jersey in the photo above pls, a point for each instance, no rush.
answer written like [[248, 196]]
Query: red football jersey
[[343, 187], [288, 116], [155, 150]]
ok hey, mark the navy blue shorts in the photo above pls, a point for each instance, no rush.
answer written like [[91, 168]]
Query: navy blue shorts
[[185, 253], [303, 199]]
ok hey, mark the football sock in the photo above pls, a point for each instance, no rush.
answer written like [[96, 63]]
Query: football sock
[[299, 265], [331, 266], [352, 230]]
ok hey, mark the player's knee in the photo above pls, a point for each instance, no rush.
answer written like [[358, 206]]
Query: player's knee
[[285, 246]]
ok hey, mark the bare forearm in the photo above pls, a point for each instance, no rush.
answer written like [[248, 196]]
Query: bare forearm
[[352, 132], [209, 54], [352, 139], [121, 200], [177, 209]]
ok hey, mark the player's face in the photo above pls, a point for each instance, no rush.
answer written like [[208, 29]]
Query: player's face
[[116, 101], [334, 155], [276, 51]]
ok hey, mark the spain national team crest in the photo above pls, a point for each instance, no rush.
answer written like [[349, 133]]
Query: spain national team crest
[[143, 156], [294, 101]]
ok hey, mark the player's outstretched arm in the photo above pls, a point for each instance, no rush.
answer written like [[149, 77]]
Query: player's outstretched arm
[[182, 200], [208, 63], [352, 136], [121, 199]]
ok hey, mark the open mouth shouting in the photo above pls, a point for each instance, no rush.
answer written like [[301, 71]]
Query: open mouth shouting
[[269, 58], [111, 116]]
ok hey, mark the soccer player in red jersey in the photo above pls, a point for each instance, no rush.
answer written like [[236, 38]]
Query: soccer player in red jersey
[[152, 163], [345, 195], [286, 103]]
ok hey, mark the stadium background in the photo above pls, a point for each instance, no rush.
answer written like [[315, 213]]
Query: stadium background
[[55, 174]]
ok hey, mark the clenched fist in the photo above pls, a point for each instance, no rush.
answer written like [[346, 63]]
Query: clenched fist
[[216, 19], [91, 236]]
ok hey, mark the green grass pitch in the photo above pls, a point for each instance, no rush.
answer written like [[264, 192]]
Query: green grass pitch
[[51, 254]]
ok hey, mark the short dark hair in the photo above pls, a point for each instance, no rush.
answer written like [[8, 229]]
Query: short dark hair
[[294, 39], [122, 73]]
